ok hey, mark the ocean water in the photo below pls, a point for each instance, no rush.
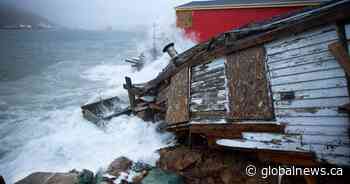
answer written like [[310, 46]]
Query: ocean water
[[45, 76]]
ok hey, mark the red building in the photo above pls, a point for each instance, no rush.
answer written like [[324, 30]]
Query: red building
[[202, 20]]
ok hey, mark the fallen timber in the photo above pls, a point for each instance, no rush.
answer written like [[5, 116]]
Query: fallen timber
[[103, 110]]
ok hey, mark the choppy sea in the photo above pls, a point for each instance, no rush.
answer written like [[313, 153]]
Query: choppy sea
[[45, 76]]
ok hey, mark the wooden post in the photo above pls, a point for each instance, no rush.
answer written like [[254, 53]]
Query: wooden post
[[128, 86], [341, 55]]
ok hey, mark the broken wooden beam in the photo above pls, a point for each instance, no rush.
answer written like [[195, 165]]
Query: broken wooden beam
[[345, 108], [341, 55], [128, 86]]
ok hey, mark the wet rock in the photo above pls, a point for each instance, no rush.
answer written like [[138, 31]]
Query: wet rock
[[2, 180], [140, 166], [50, 178], [138, 179], [158, 176], [121, 164], [86, 177]]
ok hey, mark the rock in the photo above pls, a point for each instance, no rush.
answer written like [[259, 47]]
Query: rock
[[158, 176], [226, 176], [121, 164], [141, 166], [178, 159], [137, 179], [86, 177], [2, 180], [50, 178]]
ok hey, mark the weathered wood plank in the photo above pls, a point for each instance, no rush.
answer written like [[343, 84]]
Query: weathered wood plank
[[326, 140], [310, 67], [209, 83], [178, 98], [209, 75], [221, 94], [312, 103], [303, 139], [332, 73], [304, 59], [128, 86], [347, 31], [317, 130], [318, 93], [322, 102], [314, 121], [303, 40], [271, 137], [248, 87], [309, 112], [341, 54], [207, 107], [208, 91], [301, 52], [311, 85]]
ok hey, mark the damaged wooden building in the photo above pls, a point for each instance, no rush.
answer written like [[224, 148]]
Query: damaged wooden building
[[279, 88]]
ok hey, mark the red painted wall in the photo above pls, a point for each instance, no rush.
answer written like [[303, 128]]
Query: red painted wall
[[209, 23]]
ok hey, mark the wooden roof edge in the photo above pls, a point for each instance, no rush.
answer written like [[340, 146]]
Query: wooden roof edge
[[253, 5], [258, 34]]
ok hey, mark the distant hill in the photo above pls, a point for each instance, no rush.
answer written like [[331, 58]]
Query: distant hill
[[13, 17]]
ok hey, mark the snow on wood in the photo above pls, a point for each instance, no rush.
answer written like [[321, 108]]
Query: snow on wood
[[235, 143], [271, 137]]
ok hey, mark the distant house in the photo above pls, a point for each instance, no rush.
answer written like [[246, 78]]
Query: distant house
[[278, 88], [202, 20]]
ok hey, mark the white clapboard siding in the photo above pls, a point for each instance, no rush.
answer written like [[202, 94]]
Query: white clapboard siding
[[208, 87], [296, 138], [308, 103], [317, 130], [336, 121], [303, 40], [298, 53], [311, 85], [303, 66], [310, 67], [325, 140], [319, 93], [318, 57], [309, 112], [318, 75]]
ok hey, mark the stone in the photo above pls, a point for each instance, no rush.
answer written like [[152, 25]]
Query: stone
[[50, 178], [226, 176], [121, 164], [158, 176], [137, 179], [86, 177], [2, 180]]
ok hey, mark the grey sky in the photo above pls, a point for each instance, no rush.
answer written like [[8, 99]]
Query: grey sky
[[98, 14]]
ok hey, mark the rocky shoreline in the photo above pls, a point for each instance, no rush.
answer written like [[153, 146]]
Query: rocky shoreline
[[177, 165]]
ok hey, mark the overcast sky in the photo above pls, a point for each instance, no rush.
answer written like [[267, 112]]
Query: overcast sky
[[98, 14]]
